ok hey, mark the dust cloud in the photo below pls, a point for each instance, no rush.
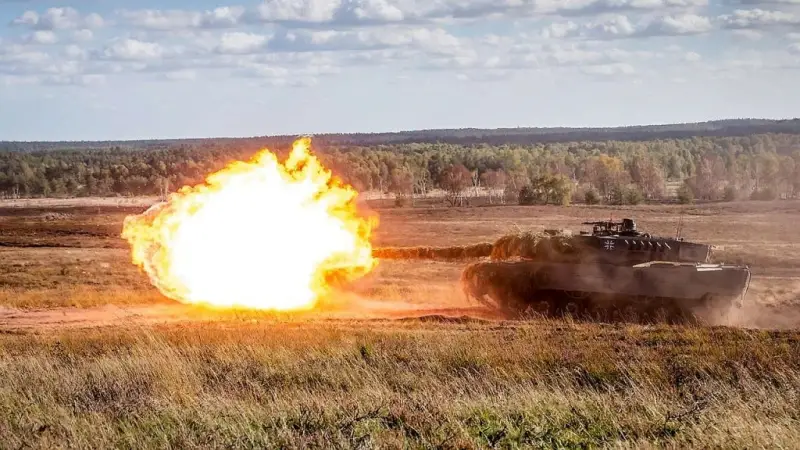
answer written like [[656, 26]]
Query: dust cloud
[[772, 303], [762, 316]]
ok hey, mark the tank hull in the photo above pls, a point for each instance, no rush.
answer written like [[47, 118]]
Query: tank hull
[[677, 290]]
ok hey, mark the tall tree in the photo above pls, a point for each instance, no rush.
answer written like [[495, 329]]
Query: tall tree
[[495, 183], [605, 173], [455, 179]]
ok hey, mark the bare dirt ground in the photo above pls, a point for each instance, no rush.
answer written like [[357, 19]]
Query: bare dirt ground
[[66, 265], [347, 308]]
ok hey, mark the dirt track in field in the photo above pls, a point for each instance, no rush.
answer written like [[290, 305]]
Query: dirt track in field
[[146, 315], [753, 315]]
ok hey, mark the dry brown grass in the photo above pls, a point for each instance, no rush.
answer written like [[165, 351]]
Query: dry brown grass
[[249, 379], [401, 384]]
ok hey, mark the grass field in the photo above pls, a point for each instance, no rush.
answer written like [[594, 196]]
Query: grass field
[[91, 355]]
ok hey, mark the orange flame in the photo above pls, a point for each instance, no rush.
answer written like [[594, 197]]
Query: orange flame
[[256, 234]]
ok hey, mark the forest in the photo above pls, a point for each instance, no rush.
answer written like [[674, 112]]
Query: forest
[[763, 165], [463, 136]]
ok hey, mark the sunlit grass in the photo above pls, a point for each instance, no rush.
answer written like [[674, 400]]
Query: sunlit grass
[[467, 385]]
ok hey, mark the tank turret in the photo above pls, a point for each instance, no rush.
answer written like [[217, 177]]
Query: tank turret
[[620, 243]]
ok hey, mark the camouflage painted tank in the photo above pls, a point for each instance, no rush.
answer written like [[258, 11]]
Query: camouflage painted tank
[[614, 271]]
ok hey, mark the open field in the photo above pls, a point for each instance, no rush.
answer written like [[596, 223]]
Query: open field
[[92, 355]]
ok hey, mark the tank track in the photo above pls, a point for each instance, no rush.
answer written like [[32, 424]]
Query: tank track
[[508, 288]]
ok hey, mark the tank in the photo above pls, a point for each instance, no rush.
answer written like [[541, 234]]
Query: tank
[[612, 272]]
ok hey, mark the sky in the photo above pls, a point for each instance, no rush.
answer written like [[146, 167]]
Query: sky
[[113, 69]]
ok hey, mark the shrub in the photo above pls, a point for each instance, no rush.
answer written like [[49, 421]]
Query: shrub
[[764, 194], [591, 197], [527, 195], [402, 201], [633, 195], [547, 189], [729, 194], [685, 194]]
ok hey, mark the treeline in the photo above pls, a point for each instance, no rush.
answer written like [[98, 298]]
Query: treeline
[[706, 168], [463, 136]]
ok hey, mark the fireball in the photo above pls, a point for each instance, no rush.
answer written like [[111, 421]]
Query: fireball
[[257, 234]]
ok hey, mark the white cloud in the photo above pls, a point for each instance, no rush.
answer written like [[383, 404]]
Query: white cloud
[[297, 10], [263, 71], [692, 57], [378, 10], [763, 2], [759, 61], [238, 42], [795, 48], [583, 55], [167, 20], [75, 52], [350, 12], [561, 30], [223, 17], [277, 73], [433, 41], [15, 80], [161, 20], [685, 24], [43, 37], [793, 36], [83, 35], [750, 35], [58, 19], [309, 39], [15, 53], [485, 76], [436, 41], [758, 18], [133, 49], [181, 75], [299, 82], [30, 18], [593, 7], [614, 27], [620, 26], [608, 70], [75, 80], [93, 20], [574, 56], [62, 68]]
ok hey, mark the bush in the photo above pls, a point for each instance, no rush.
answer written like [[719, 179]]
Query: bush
[[685, 194], [510, 195], [626, 195], [591, 197], [527, 196], [729, 194], [764, 194], [402, 201], [546, 190], [633, 195]]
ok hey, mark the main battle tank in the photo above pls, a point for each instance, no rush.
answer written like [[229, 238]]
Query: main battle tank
[[613, 272]]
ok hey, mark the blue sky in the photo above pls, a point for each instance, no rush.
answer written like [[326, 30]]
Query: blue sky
[[108, 69]]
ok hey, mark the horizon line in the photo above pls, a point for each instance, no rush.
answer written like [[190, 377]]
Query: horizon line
[[402, 131]]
